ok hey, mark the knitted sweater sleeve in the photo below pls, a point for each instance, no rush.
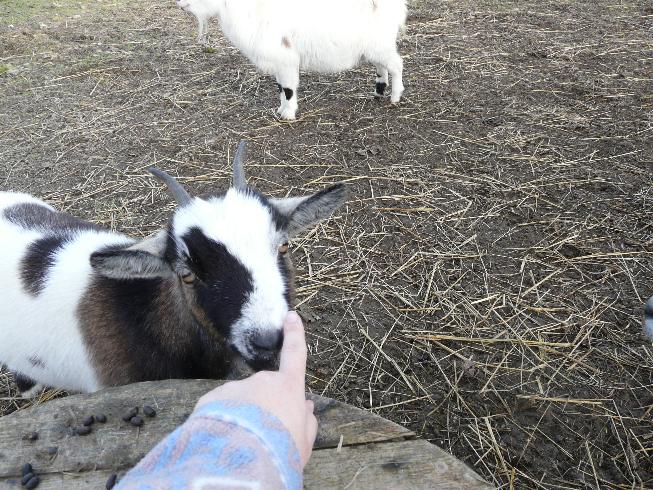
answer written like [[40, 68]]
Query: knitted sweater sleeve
[[225, 444]]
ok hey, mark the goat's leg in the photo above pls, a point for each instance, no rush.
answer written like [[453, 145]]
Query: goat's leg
[[391, 60], [203, 31], [27, 386], [381, 81], [396, 68], [288, 81]]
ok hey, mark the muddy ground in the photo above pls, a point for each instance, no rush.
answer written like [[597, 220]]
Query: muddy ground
[[484, 285]]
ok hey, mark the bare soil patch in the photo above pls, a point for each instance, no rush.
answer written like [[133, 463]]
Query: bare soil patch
[[484, 285]]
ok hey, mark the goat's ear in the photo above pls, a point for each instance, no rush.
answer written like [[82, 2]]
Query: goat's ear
[[303, 212], [143, 260]]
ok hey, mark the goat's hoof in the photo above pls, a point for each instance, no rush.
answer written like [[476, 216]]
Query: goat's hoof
[[396, 96], [286, 114]]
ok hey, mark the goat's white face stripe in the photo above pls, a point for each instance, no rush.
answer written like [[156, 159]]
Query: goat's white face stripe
[[245, 226]]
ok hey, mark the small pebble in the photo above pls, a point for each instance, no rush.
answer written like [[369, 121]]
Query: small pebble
[[136, 421], [33, 436], [101, 418], [131, 414], [111, 481], [27, 468], [88, 420], [33, 483], [84, 430], [26, 478], [149, 411]]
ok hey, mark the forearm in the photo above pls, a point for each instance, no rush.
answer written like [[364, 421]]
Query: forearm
[[223, 444]]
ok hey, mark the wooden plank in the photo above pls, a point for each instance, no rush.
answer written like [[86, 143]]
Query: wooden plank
[[66, 460], [117, 444], [414, 464], [398, 465], [65, 481]]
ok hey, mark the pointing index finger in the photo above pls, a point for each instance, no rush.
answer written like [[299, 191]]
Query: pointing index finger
[[293, 352]]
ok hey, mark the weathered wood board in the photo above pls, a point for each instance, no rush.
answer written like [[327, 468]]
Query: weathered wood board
[[374, 452]]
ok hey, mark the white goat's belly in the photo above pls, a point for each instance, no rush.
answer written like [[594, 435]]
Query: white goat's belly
[[321, 42]]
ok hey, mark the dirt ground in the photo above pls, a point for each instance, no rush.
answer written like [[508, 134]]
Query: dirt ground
[[484, 285]]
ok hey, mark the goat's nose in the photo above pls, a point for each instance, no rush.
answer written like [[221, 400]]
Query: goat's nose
[[268, 340]]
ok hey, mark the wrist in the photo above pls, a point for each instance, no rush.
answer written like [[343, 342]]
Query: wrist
[[268, 429]]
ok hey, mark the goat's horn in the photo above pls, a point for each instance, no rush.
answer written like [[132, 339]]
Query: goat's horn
[[175, 188], [239, 171]]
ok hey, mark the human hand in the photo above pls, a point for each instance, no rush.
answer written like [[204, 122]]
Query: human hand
[[282, 392]]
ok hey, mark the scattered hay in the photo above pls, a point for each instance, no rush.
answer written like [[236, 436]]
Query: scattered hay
[[484, 285]]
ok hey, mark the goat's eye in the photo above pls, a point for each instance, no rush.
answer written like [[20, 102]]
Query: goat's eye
[[283, 248]]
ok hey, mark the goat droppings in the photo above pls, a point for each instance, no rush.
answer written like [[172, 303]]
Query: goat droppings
[[32, 436], [27, 478], [84, 430], [27, 468], [88, 420], [149, 411], [131, 414], [102, 419], [33, 483], [136, 421]]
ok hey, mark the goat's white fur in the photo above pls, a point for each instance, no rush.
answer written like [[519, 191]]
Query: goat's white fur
[[282, 37], [50, 327]]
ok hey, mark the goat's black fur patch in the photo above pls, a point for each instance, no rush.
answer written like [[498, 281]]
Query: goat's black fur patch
[[380, 88], [24, 383], [223, 283], [32, 215], [279, 87], [39, 257], [37, 262], [288, 92]]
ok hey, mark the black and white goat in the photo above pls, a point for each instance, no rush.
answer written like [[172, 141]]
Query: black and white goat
[[82, 307], [282, 37]]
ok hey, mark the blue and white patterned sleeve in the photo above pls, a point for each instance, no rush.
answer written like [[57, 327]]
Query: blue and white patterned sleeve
[[225, 444]]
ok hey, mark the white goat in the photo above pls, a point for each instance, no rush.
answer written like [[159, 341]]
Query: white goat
[[83, 308], [282, 37]]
